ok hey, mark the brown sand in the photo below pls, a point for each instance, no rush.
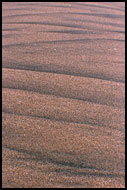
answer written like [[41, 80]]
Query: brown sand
[[63, 94]]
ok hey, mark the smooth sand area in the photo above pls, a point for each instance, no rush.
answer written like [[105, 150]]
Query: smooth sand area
[[63, 95]]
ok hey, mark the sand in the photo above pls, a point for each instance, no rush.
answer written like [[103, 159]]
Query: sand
[[63, 95]]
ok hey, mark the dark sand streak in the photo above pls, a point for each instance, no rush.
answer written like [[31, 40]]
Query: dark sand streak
[[45, 68], [68, 25], [61, 121], [38, 156]]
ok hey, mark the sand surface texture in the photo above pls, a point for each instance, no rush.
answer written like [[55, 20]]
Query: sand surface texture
[[63, 94]]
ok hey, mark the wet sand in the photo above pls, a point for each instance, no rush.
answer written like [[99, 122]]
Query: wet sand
[[63, 95]]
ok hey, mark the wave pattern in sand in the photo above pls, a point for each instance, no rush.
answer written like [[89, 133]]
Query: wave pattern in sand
[[63, 94]]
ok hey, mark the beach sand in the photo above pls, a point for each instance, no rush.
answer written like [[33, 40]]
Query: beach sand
[[63, 95]]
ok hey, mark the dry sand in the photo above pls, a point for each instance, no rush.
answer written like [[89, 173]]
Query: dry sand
[[63, 94]]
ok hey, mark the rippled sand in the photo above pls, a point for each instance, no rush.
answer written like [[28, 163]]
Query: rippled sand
[[63, 94]]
